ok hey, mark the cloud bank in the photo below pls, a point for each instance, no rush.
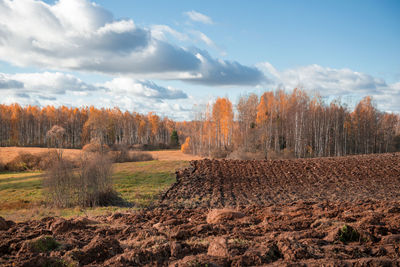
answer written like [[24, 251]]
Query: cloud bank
[[330, 82], [81, 36], [55, 88]]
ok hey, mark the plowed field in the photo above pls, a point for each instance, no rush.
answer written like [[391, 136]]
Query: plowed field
[[219, 183], [312, 212]]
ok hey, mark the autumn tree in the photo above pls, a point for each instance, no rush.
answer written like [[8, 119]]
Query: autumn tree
[[222, 115]]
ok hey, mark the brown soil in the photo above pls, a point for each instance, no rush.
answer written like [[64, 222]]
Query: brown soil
[[298, 233], [316, 212], [236, 183]]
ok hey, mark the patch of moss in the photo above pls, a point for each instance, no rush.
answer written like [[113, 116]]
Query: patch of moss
[[43, 244], [348, 234]]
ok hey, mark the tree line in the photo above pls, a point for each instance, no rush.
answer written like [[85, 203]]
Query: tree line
[[294, 124], [276, 123], [28, 126]]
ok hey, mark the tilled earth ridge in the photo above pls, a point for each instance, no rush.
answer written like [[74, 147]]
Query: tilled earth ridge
[[327, 211], [221, 183], [294, 234]]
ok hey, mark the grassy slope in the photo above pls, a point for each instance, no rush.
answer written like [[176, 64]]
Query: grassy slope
[[22, 198]]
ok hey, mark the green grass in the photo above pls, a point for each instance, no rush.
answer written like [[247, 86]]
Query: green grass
[[140, 183], [348, 234], [43, 244]]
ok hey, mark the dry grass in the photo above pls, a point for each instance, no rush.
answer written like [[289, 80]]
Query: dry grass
[[172, 155], [7, 154]]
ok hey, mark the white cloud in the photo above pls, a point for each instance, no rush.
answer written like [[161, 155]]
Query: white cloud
[[81, 36], [160, 32], [330, 82], [147, 89], [41, 86], [198, 17], [57, 88]]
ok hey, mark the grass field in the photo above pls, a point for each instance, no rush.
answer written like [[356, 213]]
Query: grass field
[[139, 183]]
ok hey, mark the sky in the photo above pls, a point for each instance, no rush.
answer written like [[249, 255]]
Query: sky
[[171, 57]]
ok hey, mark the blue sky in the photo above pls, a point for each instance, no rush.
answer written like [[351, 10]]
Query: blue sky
[[166, 56]]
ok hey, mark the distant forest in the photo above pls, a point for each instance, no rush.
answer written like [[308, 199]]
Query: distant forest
[[28, 126], [277, 123]]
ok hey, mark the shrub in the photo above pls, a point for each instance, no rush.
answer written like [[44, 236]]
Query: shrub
[[88, 186], [119, 156], [95, 147], [27, 161], [124, 155], [60, 184], [94, 184], [23, 162], [47, 159]]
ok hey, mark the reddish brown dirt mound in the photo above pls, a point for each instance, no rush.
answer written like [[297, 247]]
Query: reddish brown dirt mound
[[221, 215], [222, 183], [300, 233]]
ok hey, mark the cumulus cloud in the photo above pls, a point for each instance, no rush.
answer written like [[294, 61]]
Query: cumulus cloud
[[56, 83], [142, 88], [55, 88], [51, 83], [198, 17], [225, 73], [330, 82], [82, 36]]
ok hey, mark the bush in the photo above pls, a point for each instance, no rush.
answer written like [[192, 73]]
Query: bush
[[60, 184], [95, 147], [47, 159], [95, 184], [23, 162], [27, 161], [124, 155], [88, 186]]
